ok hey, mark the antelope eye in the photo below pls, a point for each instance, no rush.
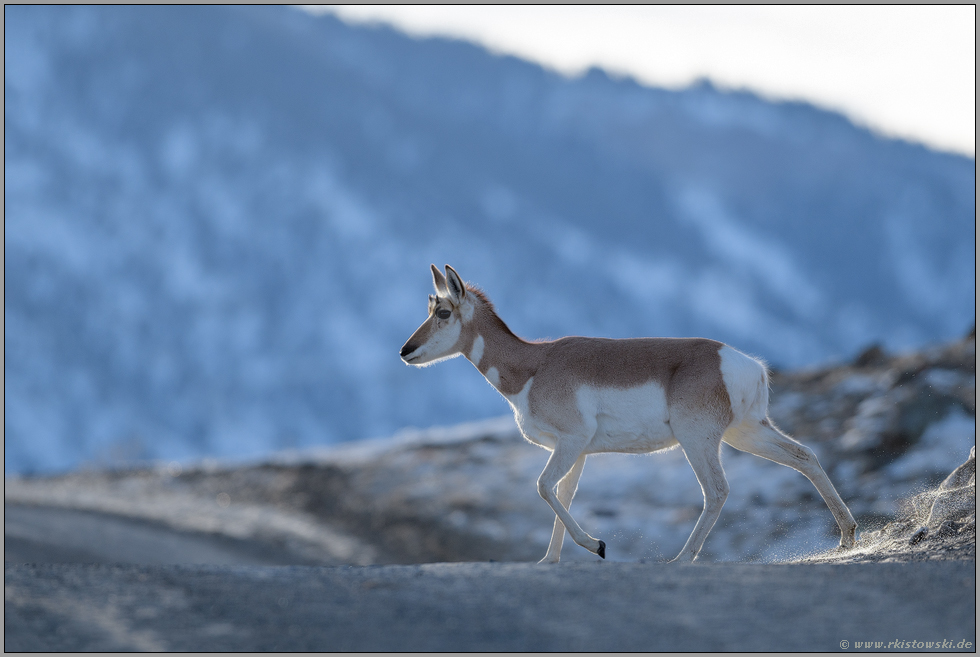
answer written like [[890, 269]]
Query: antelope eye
[[443, 314]]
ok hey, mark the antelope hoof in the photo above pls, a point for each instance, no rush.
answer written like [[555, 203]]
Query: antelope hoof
[[602, 549]]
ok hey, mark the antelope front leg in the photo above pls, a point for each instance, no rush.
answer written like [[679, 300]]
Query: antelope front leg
[[566, 491], [561, 462]]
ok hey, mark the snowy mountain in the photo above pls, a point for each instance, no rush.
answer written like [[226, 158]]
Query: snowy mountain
[[219, 221]]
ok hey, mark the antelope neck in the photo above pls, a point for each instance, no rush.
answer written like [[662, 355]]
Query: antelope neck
[[505, 360]]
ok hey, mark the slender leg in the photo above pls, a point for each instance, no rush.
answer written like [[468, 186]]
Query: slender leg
[[765, 440], [704, 455], [568, 449], [566, 491]]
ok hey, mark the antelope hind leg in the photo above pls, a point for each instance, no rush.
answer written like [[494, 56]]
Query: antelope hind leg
[[763, 439], [704, 456]]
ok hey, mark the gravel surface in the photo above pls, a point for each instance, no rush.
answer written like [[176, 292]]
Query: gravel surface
[[37, 534], [487, 607]]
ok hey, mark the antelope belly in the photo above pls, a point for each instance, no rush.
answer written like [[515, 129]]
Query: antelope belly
[[631, 420]]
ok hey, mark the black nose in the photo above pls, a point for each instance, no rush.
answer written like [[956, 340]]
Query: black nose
[[406, 350]]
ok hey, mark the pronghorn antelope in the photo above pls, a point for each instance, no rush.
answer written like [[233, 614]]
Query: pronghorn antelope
[[579, 396]]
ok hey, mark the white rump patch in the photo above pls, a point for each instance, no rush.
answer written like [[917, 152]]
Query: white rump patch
[[747, 384]]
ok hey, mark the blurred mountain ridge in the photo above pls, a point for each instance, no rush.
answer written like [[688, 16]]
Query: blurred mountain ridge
[[218, 223]]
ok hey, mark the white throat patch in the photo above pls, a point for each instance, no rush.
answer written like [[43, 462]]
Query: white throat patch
[[476, 353], [493, 376]]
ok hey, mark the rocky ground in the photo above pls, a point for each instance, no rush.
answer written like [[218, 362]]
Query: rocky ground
[[887, 428]]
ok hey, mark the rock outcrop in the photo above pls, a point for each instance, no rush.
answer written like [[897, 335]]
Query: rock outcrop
[[935, 524]]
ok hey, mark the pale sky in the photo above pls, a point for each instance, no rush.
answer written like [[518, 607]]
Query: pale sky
[[906, 71]]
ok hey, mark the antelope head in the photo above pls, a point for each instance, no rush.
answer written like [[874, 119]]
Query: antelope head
[[450, 308]]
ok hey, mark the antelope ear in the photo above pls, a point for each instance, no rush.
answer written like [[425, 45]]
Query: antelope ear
[[439, 282], [457, 291]]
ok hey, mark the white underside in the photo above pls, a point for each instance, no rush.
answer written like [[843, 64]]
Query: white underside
[[631, 420]]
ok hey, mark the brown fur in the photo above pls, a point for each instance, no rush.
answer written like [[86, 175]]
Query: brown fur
[[679, 365]]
